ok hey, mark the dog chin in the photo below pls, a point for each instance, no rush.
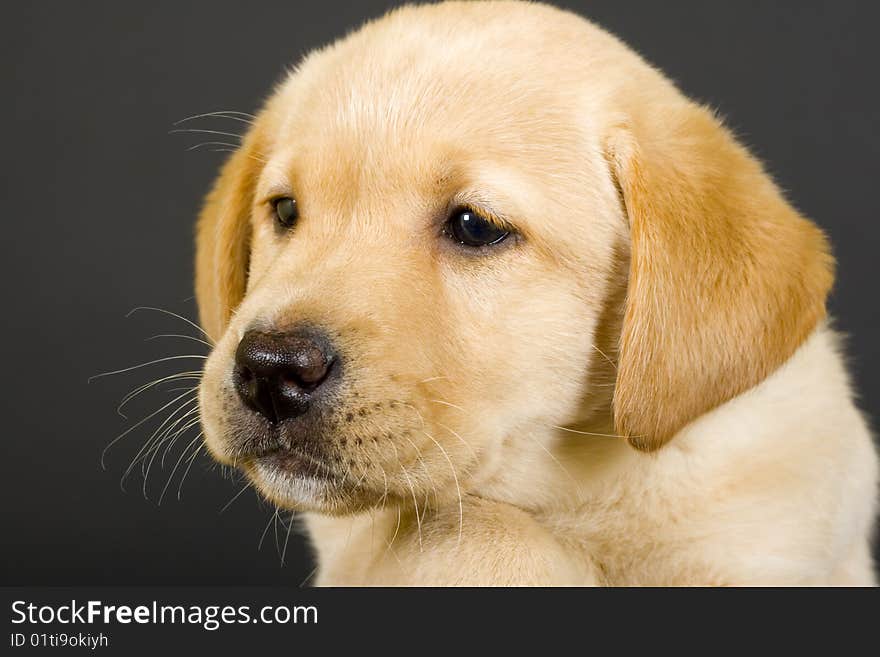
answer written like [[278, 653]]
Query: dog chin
[[298, 489], [295, 489]]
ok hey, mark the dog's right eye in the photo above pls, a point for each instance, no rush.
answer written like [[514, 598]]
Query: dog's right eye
[[285, 211]]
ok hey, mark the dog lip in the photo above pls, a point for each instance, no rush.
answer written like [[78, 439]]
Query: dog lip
[[292, 461]]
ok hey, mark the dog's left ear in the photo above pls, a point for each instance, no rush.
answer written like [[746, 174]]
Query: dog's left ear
[[223, 237], [726, 279]]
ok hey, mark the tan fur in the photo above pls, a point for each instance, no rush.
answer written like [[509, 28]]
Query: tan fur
[[726, 279], [661, 294], [223, 237]]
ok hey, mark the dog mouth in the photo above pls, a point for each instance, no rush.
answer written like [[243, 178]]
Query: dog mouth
[[293, 479], [293, 463]]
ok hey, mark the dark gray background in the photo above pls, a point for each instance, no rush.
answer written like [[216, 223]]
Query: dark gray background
[[99, 202]]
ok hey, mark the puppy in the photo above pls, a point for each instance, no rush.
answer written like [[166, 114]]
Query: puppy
[[495, 304]]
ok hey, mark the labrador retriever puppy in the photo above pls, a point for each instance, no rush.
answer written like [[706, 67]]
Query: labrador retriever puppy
[[495, 304]]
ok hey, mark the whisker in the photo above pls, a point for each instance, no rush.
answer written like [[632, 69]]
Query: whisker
[[427, 503], [148, 363], [372, 529], [130, 429], [416, 411], [226, 144], [605, 356], [424, 467], [559, 463], [156, 445], [171, 439], [308, 577], [194, 374], [150, 449], [345, 475], [179, 335], [462, 440], [415, 503], [275, 531], [156, 440], [457, 487], [445, 403], [385, 484], [396, 532], [235, 497], [351, 528], [164, 429], [589, 433], [172, 314], [361, 480], [244, 117], [204, 131], [192, 459], [174, 469], [266, 530]]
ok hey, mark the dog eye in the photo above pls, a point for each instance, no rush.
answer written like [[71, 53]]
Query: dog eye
[[468, 228], [285, 211]]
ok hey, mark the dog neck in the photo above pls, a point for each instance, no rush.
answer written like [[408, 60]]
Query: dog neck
[[585, 462]]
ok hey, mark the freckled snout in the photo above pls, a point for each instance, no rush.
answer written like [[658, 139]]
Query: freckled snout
[[281, 374]]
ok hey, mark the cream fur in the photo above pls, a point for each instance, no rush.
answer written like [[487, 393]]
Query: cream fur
[[640, 388], [775, 487]]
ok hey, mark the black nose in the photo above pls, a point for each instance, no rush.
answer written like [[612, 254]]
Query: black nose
[[278, 374]]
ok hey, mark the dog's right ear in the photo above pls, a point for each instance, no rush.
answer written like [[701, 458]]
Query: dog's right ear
[[223, 236]]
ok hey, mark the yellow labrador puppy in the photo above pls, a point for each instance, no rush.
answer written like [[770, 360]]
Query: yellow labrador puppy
[[494, 303]]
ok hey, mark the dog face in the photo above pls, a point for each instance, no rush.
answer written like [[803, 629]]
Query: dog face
[[465, 226]]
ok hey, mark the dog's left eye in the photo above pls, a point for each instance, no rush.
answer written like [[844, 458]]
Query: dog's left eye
[[285, 211], [468, 228]]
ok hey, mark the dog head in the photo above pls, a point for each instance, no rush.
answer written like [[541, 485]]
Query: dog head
[[469, 224]]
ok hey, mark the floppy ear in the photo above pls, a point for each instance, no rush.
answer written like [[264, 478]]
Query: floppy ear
[[726, 279], [223, 238]]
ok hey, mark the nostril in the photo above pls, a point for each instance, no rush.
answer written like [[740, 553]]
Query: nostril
[[310, 366], [306, 378], [255, 393]]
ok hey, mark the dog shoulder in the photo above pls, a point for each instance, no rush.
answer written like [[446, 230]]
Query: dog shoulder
[[793, 462]]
